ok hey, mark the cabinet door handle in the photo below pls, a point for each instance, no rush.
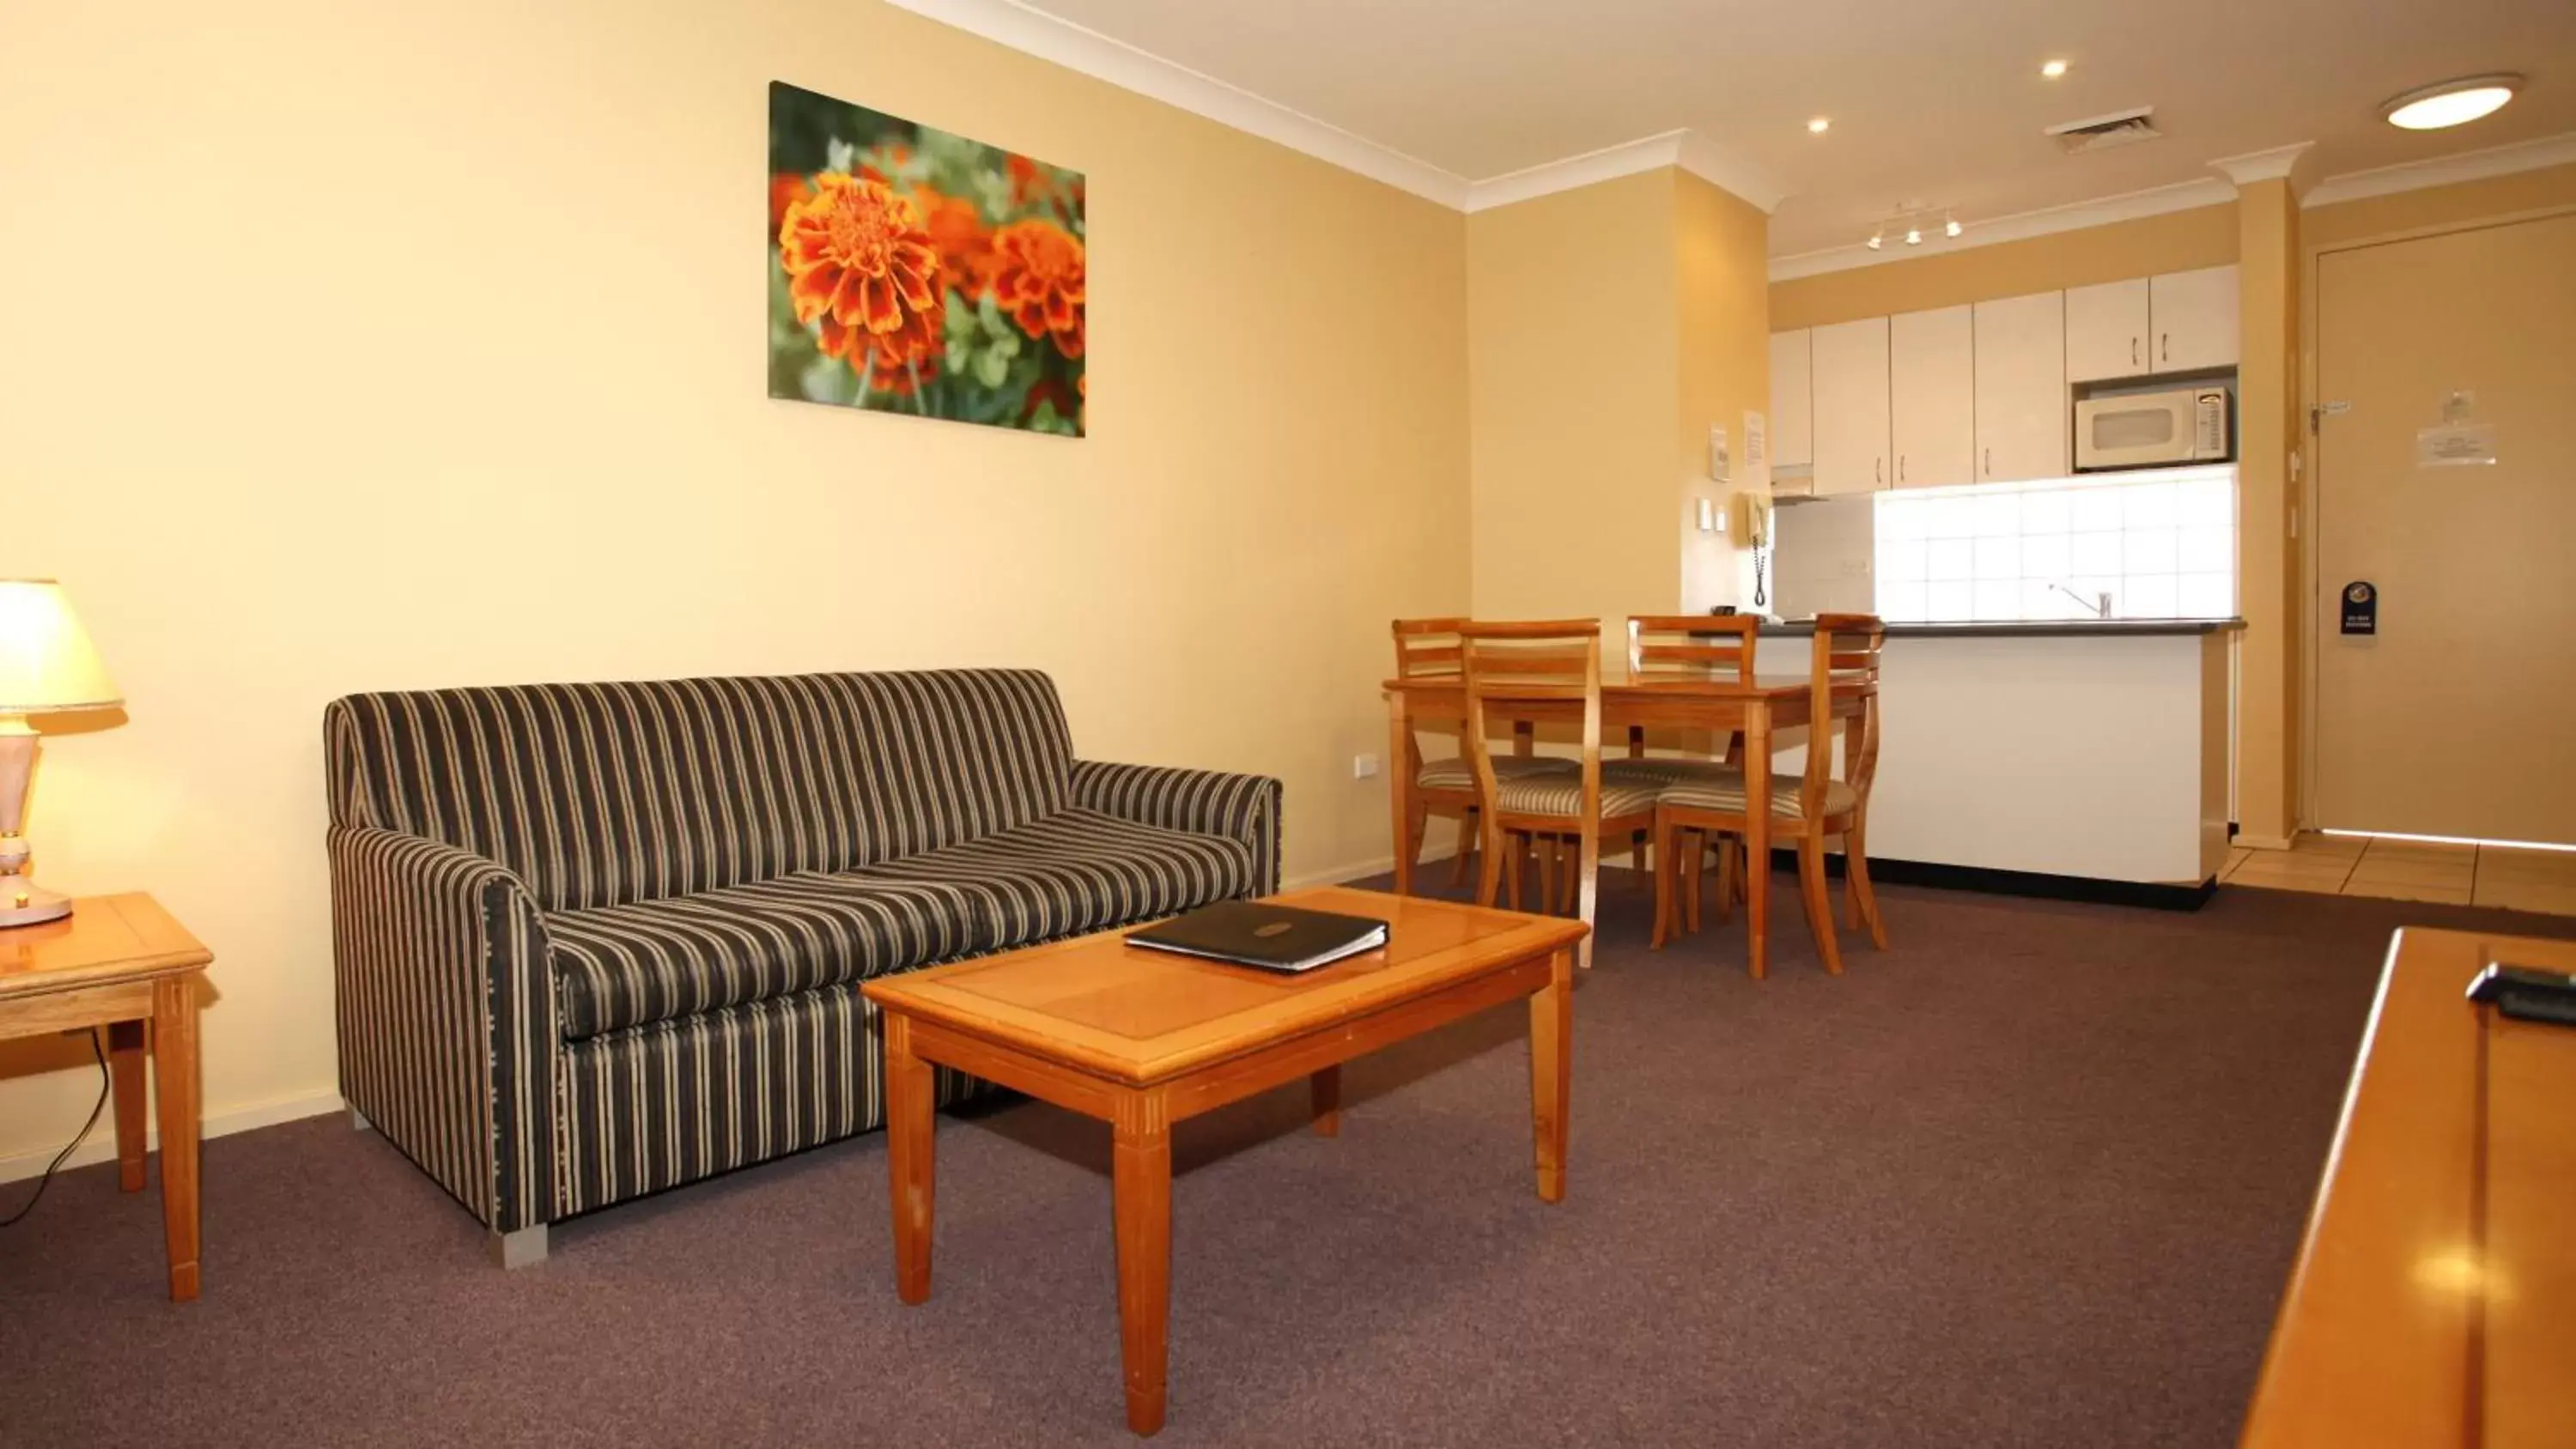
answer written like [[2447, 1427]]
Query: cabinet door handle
[[1990, 462], [2133, 352], [1878, 470], [1900, 467], [2164, 347]]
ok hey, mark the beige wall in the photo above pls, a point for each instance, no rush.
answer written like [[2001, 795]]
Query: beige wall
[[1599, 322], [2267, 593], [2174, 242], [1721, 244], [355, 347], [2325, 228], [1572, 361]]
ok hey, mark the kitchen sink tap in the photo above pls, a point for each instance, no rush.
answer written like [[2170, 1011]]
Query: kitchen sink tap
[[2099, 604]]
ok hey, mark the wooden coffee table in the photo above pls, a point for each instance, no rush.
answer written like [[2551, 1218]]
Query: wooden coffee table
[[1142, 1039]]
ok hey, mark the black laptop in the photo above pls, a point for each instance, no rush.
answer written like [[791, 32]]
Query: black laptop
[[1253, 933]]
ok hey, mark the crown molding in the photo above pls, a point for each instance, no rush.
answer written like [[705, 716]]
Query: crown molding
[[1734, 176], [1683, 149], [2021, 226], [1076, 48], [2531, 155], [1030, 31], [2278, 163]]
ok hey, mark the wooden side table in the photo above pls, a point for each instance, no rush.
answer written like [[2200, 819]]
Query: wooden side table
[[121, 962]]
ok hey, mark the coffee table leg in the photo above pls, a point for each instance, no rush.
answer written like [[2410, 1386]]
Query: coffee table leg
[[909, 1140], [1143, 1172], [125, 1068], [1552, 1072], [1328, 1101], [174, 1067]]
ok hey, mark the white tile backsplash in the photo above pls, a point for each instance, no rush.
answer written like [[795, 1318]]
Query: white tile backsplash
[[2162, 545]]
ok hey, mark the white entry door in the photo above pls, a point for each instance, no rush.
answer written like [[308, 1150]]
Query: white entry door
[[2458, 716]]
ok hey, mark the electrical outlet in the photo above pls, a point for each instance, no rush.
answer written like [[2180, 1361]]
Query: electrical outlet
[[1363, 767]]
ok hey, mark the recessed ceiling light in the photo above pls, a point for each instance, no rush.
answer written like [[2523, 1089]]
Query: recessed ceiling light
[[2052, 69], [2451, 103], [1819, 126]]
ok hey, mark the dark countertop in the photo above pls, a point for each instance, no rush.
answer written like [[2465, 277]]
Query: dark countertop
[[2034, 629]]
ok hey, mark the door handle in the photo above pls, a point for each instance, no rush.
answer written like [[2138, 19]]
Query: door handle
[[1990, 462], [1900, 467], [2133, 352], [2164, 344], [1878, 470]]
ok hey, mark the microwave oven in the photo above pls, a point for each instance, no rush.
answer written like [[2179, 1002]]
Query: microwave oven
[[2143, 429]]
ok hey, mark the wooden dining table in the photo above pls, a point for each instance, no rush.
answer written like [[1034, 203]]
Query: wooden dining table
[[1759, 709]]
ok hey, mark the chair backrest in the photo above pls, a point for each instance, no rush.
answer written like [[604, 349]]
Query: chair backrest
[[1691, 646], [1427, 648], [1846, 659], [1549, 660]]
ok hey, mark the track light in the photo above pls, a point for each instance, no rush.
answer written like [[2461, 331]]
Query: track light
[[1877, 239], [1950, 226], [1914, 236]]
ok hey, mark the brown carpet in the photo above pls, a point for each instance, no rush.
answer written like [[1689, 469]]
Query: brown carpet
[[2034, 1177]]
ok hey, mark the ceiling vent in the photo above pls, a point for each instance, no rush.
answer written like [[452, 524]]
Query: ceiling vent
[[2101, 133]]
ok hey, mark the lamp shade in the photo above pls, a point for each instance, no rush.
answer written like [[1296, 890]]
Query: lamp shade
[[46, 662]]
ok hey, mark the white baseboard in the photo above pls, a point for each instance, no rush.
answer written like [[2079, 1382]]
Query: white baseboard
[[1358, 870], [101, 1146]]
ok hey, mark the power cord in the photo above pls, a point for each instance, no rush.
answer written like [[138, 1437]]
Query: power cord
[[97, 1107]]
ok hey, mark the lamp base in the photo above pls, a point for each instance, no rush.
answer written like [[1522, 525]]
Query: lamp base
[[24, 903]]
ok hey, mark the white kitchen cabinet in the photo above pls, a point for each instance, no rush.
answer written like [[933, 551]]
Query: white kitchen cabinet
[[1932, 397], [2194, 316], [1848, 362], [1793, 416], [2021, 403], [2107, 331]]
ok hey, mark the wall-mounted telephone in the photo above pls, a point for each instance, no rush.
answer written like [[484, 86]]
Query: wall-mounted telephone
[[1748, 517]]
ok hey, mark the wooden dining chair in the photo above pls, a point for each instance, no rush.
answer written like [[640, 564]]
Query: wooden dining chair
[[1559, 662], [1428, 649], [1688, 648], [1810, 806]]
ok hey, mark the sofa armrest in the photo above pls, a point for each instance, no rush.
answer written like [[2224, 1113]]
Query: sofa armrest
[[1205, 802], [447, 1020]]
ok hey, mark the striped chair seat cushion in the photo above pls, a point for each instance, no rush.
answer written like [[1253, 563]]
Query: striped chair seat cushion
[[1562, 795], [1664, 769], [623, 966], [1079, 871], [1726, 795], [1457, 774]]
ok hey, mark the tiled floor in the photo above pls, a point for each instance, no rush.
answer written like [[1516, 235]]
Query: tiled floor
[[2413, 870]]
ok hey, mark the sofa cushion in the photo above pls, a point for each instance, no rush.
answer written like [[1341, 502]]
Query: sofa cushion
[[1081, 871], [623, 966], [605, 794]]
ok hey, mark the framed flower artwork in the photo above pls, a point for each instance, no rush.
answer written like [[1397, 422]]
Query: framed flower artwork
[[915, 271]]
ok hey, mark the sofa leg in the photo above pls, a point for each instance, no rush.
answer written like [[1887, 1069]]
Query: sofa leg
[[523, 1249], [358, 1120]]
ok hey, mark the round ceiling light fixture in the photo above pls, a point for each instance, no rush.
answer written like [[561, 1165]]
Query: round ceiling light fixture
[[2052, 68], [2452, 103], [1820, 125]]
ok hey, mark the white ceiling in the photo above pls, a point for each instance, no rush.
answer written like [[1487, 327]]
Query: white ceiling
[[1934, 103]]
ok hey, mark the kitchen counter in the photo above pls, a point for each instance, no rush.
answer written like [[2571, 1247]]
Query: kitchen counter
[[2092, 749], [2031, 628]]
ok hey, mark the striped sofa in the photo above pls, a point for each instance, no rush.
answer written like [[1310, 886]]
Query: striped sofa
[[594, 940]]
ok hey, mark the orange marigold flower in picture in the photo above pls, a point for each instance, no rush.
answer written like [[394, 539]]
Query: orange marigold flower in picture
[[1038, 278], [863, 273], [964, 243], [786, 188]]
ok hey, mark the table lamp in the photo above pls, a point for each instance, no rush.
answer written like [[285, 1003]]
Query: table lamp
[[46, 666]]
